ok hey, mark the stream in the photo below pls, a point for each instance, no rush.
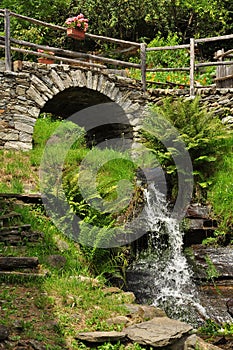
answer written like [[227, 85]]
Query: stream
[[161, 276]]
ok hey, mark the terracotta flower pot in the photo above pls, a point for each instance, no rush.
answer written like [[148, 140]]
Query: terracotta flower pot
[[45, 60], [75, 33]]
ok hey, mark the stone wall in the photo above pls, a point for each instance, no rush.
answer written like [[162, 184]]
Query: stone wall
[[25, 92], [218, 101]]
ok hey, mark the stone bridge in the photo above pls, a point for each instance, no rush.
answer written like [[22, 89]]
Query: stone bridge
[[62, 90]]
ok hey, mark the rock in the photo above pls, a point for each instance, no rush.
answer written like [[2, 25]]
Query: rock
[[146, 311], [127, 297], [118, 320], [101, 337], [62, 245], [111, 290], [193, 343], [93, 281], [221, 257], [57, 261], [159, 332], [4, 332], [229, 305], [198, 211]]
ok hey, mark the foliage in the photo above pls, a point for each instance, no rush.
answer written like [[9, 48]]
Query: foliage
[[16, 172], [167, 58], [75, 304], [97, 185], [212, 328], [132, 19], [203, 134], [211, 271], [220, 193], [170, 59]]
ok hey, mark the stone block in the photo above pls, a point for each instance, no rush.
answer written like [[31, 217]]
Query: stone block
[[24, 127], [36, 96], [25, 137], [9, 136], [18, 145]]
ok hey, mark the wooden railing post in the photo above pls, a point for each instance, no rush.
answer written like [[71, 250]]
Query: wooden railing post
[[8, 63], [192, 66], [143, 65]]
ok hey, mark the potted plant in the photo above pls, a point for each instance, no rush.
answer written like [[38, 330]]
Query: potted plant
[[77, 26], [45, 60]]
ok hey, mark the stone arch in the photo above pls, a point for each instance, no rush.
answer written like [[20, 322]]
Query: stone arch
[[33, 89]]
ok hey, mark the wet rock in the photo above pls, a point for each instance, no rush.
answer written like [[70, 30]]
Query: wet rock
[[101, 337], [4, 332], [229, 305], [193, 343], [221, 258], [198, 211], [159, 332]]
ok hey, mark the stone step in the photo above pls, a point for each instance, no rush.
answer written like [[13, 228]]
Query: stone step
[[4, 231], [11, 263], [34, 198], [19, 235], [14, 274], [7, 219]]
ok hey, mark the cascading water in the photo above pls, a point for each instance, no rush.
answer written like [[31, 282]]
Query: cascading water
[[163, 263]]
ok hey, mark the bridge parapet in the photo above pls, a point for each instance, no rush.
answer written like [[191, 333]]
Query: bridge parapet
[[28, 91]]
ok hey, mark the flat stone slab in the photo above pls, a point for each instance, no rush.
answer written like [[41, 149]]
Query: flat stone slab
[[159, 332], [194, 342], [101, 337]]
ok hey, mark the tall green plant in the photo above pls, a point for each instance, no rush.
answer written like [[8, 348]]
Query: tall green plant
[[204, 135]]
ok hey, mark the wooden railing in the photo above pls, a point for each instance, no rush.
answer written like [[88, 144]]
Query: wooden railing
[[100, 62]]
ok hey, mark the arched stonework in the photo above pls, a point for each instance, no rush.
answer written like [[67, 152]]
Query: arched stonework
[[25, 93]]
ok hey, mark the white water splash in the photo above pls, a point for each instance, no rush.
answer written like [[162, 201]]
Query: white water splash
[[174, 290]]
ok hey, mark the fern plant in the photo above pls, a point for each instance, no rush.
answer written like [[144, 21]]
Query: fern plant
[[204, 136]]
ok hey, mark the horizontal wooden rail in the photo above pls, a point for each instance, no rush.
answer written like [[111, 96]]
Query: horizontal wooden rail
[[68, 60], [37, 21], [186, 69], [175, 47], [214, 38], [91, 36], [220, 63], [95, 61], [73, 54]]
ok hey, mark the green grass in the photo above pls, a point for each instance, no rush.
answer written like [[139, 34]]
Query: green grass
[[220, 194], [61, 297]]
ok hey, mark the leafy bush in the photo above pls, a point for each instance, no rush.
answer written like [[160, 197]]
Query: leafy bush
[[204, 135], [167, 58]]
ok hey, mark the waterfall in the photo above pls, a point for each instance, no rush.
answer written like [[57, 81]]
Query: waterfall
[[170, 278]]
